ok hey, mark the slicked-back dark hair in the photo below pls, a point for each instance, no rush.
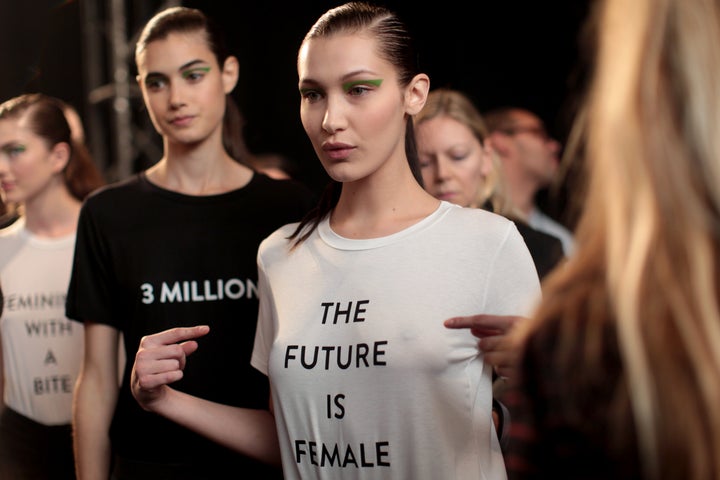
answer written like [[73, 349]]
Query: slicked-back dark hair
[[396, 46], [46, 118]]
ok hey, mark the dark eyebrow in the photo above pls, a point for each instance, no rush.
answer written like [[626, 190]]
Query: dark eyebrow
[[189, 64], [310, 82], [192, 64], [153, 75]]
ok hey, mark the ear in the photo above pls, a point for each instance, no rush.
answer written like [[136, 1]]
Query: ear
[[59, 156], [416, 94], [488, 158], [230, 73], [500, 142]]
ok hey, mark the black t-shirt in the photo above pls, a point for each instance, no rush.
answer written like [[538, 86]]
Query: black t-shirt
[[546, 250], [148, 259]]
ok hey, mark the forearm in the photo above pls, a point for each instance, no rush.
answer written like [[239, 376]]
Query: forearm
[[248, 431], [93, 407]]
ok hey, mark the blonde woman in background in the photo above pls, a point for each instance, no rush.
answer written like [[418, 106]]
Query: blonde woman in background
[[459, 166], [621, 364]]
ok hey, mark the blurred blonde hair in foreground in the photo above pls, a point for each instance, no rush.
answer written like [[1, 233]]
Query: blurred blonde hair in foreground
[[649, 233]]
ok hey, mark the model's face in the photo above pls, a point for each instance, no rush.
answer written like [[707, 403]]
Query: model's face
[[535, 151], [352, 108], [27, 165], [452, 160], [183, 87]]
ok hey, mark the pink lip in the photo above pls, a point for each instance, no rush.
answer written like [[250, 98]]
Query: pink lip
[[337, 151], [183, 121], [445, 196]]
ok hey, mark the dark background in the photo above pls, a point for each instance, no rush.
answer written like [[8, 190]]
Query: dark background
[[525, 53]]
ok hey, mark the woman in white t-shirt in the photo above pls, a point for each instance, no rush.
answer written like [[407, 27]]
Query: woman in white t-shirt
[[48, 174], [366, 380]]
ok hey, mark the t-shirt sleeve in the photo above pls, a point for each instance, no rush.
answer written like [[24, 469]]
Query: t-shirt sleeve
[[265, 331], [90, 292], [514, 286]]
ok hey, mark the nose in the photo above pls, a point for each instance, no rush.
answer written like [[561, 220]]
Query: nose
[[176, 97], [442, 169], [334, 119]]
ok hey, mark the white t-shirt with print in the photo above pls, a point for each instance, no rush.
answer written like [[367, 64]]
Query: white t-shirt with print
[[367, 383]]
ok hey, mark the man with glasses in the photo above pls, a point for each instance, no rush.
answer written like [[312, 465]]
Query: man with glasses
[[530, 161]]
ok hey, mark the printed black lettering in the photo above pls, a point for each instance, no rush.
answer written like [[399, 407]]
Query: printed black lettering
[[326, 307], [337, 401], [362, 354], [288, 355], [304, 363], [371, 455], [378, 352], [50, 358], [49, 328], [34, 301], [331, 356], [330, 457], [359, 310], [340, 313], [52, 384]]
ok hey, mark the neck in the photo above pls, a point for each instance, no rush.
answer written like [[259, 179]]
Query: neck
[[53, 213], [375, 207], [204, 169], [521, 191]]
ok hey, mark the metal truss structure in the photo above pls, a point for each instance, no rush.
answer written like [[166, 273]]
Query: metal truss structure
[[120, 135]]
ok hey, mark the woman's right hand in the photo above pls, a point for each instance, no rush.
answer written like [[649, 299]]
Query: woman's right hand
[[160, 360]]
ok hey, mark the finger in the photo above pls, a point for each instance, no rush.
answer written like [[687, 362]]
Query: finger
[[505, 372], [149, 382], [486, 332], [153, 367], [495, 322], [189, 347], [174, 335], [165, 357], [490, 343], [496, 359]]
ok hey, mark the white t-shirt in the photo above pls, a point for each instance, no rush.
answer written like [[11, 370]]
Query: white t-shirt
[[367, 383], [41, 348]]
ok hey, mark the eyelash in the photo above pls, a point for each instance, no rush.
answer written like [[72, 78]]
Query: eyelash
[[360, 89], [13, 151], [354, 91], [192, 76], [453, 158]]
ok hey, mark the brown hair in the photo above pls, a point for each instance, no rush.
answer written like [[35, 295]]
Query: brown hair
[[46, 118]]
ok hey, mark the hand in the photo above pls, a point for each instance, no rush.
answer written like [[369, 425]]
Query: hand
[[493, 341], [160, 360]]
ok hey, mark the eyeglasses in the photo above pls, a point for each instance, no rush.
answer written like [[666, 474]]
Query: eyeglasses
[[538, 131]]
